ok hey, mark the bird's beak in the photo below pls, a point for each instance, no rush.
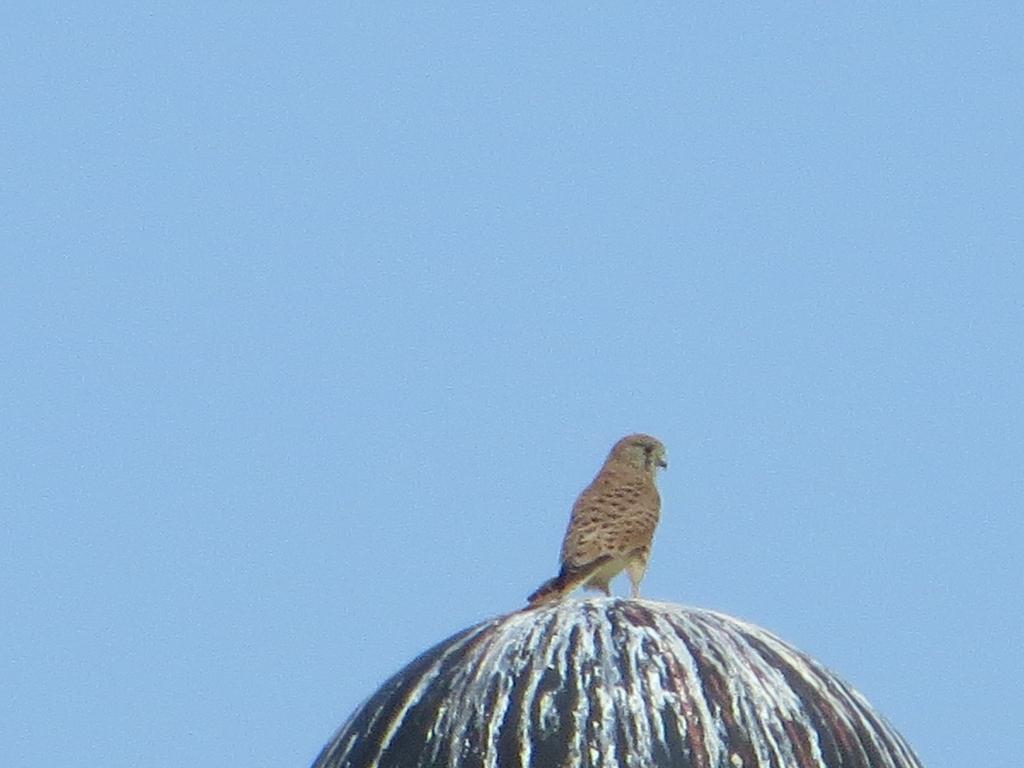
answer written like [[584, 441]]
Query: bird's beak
[[662, 463]]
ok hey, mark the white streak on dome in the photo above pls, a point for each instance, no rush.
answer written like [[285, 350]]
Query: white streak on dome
[[608, 682]]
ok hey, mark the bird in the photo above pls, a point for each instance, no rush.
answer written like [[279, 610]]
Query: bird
[[612, 523]]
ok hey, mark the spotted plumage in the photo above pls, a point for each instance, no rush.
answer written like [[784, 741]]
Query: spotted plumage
[[612, 522]]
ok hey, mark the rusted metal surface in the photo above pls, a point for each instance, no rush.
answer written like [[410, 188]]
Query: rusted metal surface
[[604, 683]]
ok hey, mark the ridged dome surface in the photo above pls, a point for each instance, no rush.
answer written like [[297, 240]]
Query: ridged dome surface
[[607, 682]]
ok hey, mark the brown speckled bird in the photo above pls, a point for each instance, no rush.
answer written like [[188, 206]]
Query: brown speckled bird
[[612, 522]]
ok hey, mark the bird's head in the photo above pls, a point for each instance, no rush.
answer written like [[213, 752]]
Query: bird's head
[[640, 451]]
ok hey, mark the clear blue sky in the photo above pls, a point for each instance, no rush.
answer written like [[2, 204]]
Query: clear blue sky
[[314, 323]]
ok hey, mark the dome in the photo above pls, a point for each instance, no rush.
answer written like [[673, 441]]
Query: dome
[[606, 682]]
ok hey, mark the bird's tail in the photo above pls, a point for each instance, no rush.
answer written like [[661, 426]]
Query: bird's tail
[[549, 591], [568, 578]]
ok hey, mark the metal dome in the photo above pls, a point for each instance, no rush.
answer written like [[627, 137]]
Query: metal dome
[[607, 682]]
